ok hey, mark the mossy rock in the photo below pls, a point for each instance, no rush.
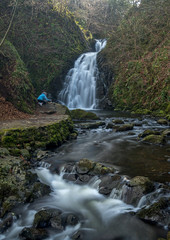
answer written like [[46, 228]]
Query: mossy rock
[[33, 234], [143, 182], [154, 139], [101, 169], [84, 166], [93, 125], [49, 134], [149, 132], [156, 212], [125, 127], [162, 121], [118, 121], [80, 114]]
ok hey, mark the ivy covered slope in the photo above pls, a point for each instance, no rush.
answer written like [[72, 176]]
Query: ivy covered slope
[[137, 52], [45, 39], [15, 84]]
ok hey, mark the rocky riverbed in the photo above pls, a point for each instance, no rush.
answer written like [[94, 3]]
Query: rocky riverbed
[[29, 174]]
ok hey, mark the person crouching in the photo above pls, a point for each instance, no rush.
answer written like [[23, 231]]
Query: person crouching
[[42, 99]]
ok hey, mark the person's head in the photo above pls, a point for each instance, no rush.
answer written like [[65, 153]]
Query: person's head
[[45, 93]]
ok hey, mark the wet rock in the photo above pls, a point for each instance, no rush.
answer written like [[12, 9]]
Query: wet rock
[[41, 154], [135, 189], [7, 222], [124, 127], [33, 234], [80, 114], [77, 236], [84, 178], [109, 125], [9, 204], [166, 132], [118, 121], [37, 190], [144, 182], [43, 217], [162, 121], [70, 177], [71, 220], [154, 139], [108, 183], [84, 166], [137, 124], [157, 212]]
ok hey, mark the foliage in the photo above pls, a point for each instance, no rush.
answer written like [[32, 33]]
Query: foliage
[[47, 39], [15, 84], [138, 53]]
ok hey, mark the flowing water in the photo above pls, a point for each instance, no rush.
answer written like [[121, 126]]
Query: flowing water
[[101, 218], [80, 84]]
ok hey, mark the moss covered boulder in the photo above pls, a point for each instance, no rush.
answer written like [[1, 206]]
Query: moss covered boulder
[[136, 188], [162, 121], [124, 127], [80, 114], [154, 139]]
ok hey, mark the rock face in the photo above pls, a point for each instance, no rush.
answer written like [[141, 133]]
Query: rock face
[[104, 80]]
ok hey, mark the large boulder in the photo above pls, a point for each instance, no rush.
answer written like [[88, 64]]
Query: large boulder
[[135, 189]]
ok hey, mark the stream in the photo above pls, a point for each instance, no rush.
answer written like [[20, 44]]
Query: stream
[[100, 217], [93, 215]]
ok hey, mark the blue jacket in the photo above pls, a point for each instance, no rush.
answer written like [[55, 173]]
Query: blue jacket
[[43, 97]]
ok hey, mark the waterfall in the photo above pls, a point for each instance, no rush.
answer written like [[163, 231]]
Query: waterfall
[[80, 84]]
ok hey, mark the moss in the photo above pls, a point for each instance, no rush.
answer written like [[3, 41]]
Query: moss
[[80, 114], [154, 139], [154, 209], [49, 135]]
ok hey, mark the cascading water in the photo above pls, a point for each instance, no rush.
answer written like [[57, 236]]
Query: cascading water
[[80, 84]]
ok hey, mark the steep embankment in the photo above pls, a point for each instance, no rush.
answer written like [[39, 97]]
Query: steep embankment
[[137, 53], [41, 46]]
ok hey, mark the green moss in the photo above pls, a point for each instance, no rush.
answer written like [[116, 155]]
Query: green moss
[[52, 134], [154, 209]]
